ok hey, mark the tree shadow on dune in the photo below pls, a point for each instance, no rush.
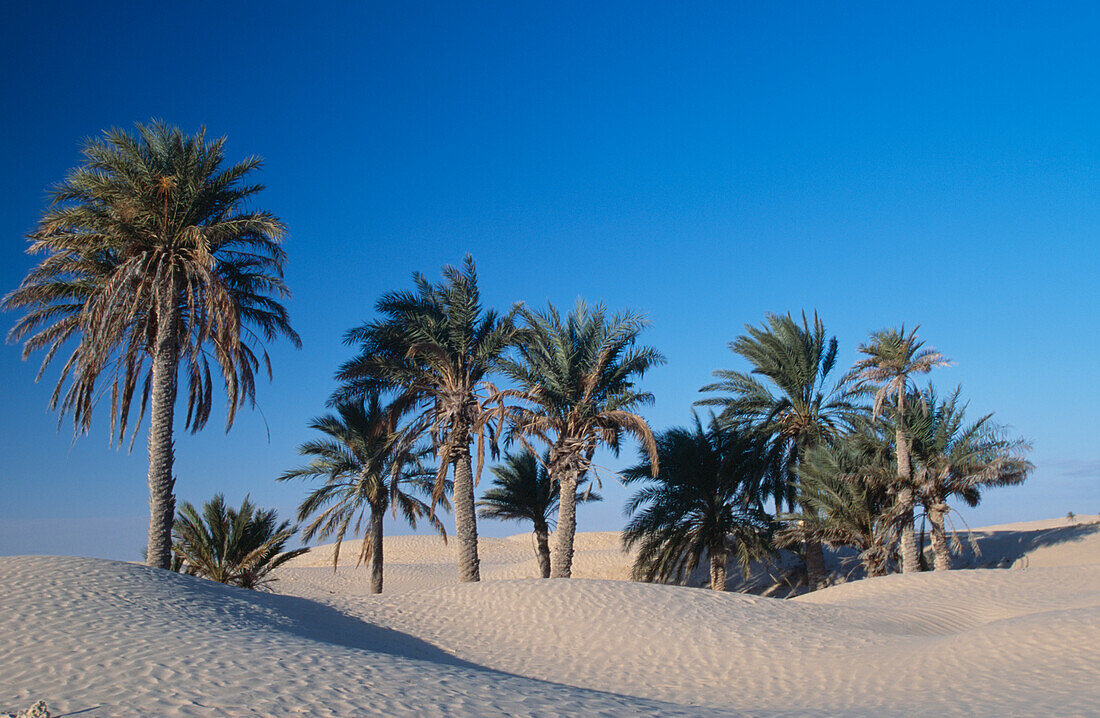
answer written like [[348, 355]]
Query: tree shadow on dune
[[317, 622], [1001, 549]]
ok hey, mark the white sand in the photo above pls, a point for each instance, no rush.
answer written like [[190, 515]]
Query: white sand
[[110, 638]]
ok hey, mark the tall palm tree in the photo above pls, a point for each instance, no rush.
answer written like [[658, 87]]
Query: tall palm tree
[[577, 375], [522, 491], [892, 358], [438, 345], [701, 496], [786, 398], [954, 458], [367, 467], [240, 547], [153, 263]]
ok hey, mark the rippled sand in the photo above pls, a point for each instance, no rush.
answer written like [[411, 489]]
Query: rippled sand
[[117, 639]]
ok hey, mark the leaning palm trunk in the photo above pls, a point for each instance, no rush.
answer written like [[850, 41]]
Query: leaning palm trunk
[[465, 518], [940, 548], [542, 537], [376, 549], [718, 559], [162, 501], [561, 565]]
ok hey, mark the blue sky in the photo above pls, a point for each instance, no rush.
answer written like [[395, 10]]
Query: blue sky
[[925, 163]]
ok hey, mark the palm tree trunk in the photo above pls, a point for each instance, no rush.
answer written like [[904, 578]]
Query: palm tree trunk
[[873, 566], [910, 554], [561, 565], [542, 537], [921, 535], [940, 549], [465, 518], [815, 564], [376, 550], [814, 555], [910, 557], [718, 558], [162, 500], [812, 551]]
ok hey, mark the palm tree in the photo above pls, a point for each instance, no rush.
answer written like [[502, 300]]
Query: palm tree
[[522, 491], [892, 359], [953, 458], [367, 467], [154, 264], [578, 375], [785, 398], [437, 345], [844, 488], [240, 547], [702, 494]]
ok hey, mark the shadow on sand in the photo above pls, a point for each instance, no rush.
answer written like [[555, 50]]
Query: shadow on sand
[[317, 622], [1001, 549]]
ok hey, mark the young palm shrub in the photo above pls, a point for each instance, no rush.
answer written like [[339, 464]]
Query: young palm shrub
[[577, 375], [367, 468], [152, 265], [844, 488], [522, 491], [786, 398], [892, 358], [954, 458], [240, 547], [701, 497], [437, 345]]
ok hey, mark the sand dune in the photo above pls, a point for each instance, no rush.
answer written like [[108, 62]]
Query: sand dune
[[116, 639], [111, 638]]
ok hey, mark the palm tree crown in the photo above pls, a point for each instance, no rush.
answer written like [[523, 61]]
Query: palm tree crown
[[785, 396], [891, 359], [235, 546], [521, 491], [577, 374], [153, 261]]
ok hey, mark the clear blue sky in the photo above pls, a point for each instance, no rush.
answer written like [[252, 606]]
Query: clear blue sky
[[921, 162]]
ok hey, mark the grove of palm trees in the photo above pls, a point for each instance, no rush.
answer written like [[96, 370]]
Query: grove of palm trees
[[151, 260]]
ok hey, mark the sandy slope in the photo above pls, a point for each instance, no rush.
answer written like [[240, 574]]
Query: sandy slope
[[116, 639], [121, 639]]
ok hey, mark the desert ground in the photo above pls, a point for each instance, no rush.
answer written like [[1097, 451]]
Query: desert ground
[[1018, 634]]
